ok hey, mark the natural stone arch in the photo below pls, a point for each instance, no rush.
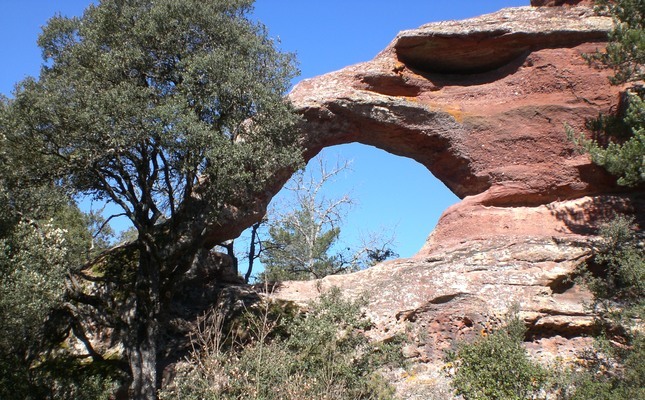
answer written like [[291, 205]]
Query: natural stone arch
[[494, 130], [484, 127], [494, 134]]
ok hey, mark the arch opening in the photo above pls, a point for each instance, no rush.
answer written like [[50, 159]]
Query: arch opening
[[392, 192], [394, 197]]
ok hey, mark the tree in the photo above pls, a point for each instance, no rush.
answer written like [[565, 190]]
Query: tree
[[42, 236], [172, 110], [620, 143], [303, 241]]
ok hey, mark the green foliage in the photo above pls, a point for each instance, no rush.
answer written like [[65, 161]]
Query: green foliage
[[62, 378], [623, 158], [139, 99], [620, 259], [625, 54], [322, 353], [42, 238], [171, 110], [615, 367], [299, 247], [610, 371], [496, 366]]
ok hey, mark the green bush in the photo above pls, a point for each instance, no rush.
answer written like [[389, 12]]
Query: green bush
[[58, 378], [320, 354], [609, 372], [496, 366], [615, 367], [618, 283]]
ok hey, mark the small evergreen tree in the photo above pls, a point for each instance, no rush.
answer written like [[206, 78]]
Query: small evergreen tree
[[303, 242], [622, 149]]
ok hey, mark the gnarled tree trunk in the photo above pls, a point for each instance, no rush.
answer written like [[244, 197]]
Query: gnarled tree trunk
[[143, 337]]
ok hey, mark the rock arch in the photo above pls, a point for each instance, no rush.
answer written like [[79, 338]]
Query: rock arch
[[497, 119], [482, 103]]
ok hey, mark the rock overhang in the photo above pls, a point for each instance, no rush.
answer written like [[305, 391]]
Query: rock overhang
[[489, 42]]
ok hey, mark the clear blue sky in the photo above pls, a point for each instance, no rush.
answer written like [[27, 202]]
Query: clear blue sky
[[326, 36]]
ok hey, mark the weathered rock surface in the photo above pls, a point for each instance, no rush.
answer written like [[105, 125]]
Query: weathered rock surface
[[494, 125], [556, 3], [482, 103]]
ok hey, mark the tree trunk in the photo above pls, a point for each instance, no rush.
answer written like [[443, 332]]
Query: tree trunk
[[252, 255], [144, 329]]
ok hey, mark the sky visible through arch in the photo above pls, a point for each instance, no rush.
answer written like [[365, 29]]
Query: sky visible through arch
[[391, 192]]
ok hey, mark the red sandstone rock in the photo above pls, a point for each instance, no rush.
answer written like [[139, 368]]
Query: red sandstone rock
[[488, 119], [482, 103], [493, 128]]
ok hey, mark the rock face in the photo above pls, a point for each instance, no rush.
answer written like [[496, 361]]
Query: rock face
[[556, 3], [482, 103]]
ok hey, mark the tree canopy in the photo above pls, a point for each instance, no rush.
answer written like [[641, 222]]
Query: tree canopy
[[172, 110]]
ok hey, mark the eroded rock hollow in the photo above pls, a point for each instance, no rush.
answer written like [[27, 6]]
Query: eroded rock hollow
[[483, 104]]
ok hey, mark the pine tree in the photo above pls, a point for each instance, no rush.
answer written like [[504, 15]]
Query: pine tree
[[623, 153]]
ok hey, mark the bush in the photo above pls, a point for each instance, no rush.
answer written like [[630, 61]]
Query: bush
[[321, 354], [609, 372], [496, 366], [616, 274], [60, 378], [615, 367]]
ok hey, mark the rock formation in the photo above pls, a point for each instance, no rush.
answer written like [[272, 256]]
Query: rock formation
[[483, 104], [556, 3]]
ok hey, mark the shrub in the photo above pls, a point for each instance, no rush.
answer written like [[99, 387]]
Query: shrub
[[322, 354], [615, 367], [496, 366]]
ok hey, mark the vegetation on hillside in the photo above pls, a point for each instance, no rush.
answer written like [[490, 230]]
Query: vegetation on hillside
[[615, 367], [496, 366], [173, 111], [322, 353]]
